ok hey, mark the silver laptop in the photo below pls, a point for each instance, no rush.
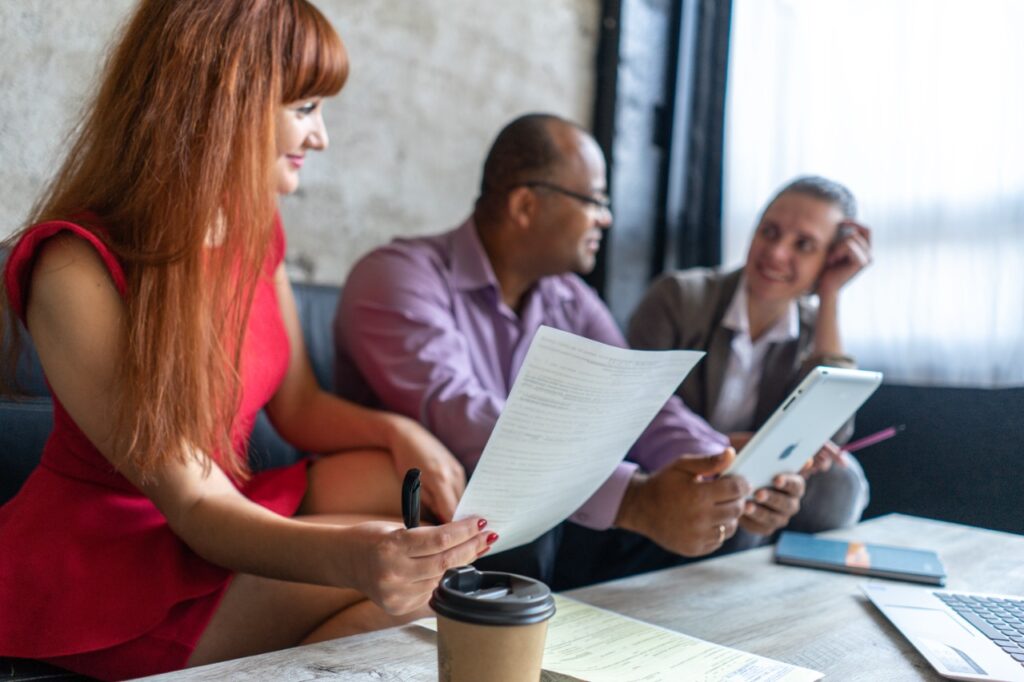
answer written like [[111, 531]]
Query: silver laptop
[[812, 413], [963, 635]]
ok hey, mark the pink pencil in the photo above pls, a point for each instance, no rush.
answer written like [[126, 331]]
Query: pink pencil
[[884, 434]]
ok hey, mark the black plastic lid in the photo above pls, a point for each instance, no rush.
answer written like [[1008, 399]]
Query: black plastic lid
[[491, 598]]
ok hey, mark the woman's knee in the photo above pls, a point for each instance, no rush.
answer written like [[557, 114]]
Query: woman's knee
[[259, 614], [834, 499], [357, 482]]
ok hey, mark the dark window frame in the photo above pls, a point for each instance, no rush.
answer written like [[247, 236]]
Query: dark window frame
[[660, 113]]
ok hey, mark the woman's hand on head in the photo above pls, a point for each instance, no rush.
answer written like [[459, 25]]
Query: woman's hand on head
[[848, 256], [442, 477], [398, 568]]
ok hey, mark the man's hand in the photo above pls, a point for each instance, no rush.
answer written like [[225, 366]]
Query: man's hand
[[682, 508], [772, 508], [738, 439], [442, 477]]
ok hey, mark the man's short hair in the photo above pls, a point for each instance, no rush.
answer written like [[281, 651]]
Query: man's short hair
[[524, 150], [824, 189]]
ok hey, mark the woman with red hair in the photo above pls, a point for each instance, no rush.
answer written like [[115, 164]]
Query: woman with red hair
[[150, 278]]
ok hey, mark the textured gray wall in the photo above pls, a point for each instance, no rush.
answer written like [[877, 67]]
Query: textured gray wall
[[431, 83]]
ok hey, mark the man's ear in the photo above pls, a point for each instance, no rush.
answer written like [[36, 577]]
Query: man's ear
[[521, 204]]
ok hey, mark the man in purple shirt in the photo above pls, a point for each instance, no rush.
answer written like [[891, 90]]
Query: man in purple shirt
[[437, 328]]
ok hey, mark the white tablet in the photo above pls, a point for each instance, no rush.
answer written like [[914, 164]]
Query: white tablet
[[813, 412]]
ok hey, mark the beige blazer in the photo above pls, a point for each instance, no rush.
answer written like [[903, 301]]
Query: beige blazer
[[685, 310]]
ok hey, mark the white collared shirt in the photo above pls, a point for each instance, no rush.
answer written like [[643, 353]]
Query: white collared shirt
[[737, 399]]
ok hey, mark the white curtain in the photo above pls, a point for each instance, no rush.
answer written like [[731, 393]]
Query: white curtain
[[918, 107]]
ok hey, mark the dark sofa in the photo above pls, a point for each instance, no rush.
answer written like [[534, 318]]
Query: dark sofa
[[957, 459]]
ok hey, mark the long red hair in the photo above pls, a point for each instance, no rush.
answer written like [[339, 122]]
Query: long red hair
[[172, 167]]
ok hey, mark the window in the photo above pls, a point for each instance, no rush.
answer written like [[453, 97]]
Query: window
[[918, 107]]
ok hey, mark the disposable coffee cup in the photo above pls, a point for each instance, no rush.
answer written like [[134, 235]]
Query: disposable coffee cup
[[490, 626]]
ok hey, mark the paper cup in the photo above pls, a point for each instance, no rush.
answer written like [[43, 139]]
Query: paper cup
[[490, 626]]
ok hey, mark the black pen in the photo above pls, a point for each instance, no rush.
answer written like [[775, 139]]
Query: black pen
[[411, 498]]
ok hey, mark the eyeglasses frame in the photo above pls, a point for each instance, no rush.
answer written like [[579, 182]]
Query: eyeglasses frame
[[601, 204]]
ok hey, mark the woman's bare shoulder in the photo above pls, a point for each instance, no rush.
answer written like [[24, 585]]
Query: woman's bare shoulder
[[71, 290], [65, 263]]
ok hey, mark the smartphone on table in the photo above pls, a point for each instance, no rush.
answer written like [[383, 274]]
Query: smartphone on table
[[880, 561]]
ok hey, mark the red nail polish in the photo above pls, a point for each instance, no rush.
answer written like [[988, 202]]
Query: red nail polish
[[481, 524], [492, 538]]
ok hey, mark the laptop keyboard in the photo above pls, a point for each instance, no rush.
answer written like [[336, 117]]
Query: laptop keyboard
[[1001, 620]]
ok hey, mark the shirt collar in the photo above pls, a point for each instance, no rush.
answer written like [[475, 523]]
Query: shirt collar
[[555, 289], [471, 268], [786, 328]]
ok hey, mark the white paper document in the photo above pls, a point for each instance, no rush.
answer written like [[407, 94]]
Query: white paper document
[[576, 408], [596, 645]]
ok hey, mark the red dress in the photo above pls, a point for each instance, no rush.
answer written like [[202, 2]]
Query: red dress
[[91, 576]]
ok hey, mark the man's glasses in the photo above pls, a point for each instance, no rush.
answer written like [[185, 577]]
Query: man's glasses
[[600, 203]]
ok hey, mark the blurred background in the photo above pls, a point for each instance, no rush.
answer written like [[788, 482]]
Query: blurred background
[[704, 108]]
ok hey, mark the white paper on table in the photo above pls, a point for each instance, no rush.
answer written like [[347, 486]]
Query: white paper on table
[[576, 408], [603, 646], [597, 645]]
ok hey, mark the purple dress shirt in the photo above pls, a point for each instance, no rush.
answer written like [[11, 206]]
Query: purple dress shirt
[[422, 323]]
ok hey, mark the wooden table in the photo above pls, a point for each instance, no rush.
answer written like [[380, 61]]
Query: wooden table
[[807, 617]]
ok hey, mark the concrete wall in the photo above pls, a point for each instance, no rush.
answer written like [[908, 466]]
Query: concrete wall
[[431, 83]]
